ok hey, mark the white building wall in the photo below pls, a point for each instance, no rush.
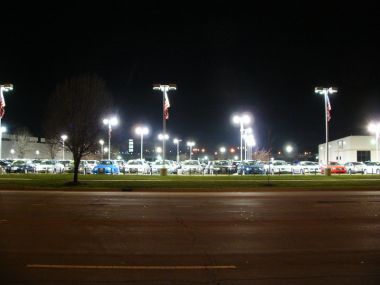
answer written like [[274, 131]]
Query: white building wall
[[345, 149], [34, 144]]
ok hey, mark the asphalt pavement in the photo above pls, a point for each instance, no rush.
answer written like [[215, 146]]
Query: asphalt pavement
[[189, 238]]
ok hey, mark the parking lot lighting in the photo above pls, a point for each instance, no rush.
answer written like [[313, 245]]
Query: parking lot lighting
[[63, 137], [101, 142], [374, 128], [190, 144], [37, 153], [289, 149], [142, 131], [325, 93], [3, 88], [113, 121], [241, 120], [177, 141]]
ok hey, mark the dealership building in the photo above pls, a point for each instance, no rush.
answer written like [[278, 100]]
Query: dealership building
[[349, 149]]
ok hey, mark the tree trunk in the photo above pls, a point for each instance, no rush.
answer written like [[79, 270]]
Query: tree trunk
[[77, 158]]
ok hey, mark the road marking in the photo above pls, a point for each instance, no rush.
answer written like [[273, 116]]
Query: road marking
[[132, 267]]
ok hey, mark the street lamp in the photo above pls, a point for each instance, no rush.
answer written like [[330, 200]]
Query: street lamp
[[106, 150], [63, 137], [12, 153], [37, 153], [3, 88], [177, 141], [190, 144], [165, 114], [241, 120], [375, 129], [142, 131], [325, 92], [113, 121], [101, 142], [289, 149]]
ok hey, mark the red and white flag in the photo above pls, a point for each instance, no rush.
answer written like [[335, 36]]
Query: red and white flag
[[2, 105], [328, 108], [166, 107]]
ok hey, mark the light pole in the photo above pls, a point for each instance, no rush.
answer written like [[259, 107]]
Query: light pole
[[177, 141], [190, 144], [101, 142], [142, 131], [250, 142], [63, 137], [325, 92], [375, 129], [242, 120], [165, 115], [3, 88], [37, 153], [113, 121]]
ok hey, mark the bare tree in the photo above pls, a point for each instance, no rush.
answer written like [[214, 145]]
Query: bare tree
[[263, 155], [53, 147], [77, 108], [22, 141]]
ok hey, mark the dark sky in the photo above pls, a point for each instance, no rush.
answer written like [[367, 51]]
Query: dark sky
[[224, 59]]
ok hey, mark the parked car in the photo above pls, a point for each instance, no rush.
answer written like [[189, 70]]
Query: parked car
[[157, 165], [280, 167], [371, 167], [190, 166], [221, 167], [106, 167], [354, 167], [303, 167], [336, 168], [137, 166], [17, 166], [250, 167], [45, 166], [122, 165]]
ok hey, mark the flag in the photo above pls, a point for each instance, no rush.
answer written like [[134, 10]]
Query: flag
[[166, 106], [2, 104], [328, 108]]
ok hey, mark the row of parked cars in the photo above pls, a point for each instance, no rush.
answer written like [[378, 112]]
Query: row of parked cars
[[138, 166]]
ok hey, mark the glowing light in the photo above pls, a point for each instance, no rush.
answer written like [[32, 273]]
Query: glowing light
[[222, 149], [142, 130], [289, 148], [161, 137]]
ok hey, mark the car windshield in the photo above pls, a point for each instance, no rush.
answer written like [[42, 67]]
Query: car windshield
[[334, 163], [134, 162], [357, 163], [18, 162], [106, 162], [221, 162]]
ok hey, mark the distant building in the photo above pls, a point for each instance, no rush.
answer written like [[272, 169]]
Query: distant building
[[30, 148], [352, 148]]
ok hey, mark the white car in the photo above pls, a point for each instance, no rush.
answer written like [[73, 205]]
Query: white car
[[371, 167], [303, 167], [279, 167], [137, 166], [90, 164], [46, 166], [158, 164], [190, 166], [354, 167]]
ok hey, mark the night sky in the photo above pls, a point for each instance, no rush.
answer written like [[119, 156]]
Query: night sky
[[224, 59]]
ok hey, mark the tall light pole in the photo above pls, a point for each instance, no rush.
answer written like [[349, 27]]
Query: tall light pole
[[63, 137], [190, 144], [165, 115], [177, 141], [325, 92], [241, 120], [375, 129], [142, 131], [3, 88], [113, 121], [101, 142]]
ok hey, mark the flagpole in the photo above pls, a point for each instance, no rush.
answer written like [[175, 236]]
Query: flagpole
[[327, 128], [164, 95]]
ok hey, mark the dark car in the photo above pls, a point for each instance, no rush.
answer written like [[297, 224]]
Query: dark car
[[250, 167], [221, 167], [17, 166]]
